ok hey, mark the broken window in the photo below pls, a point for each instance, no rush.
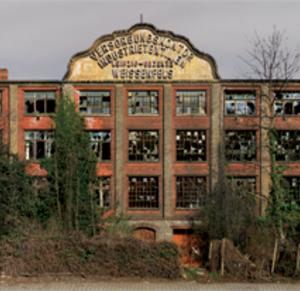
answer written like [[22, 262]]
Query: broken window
[[190, 145], [190, 191], [240, 102], [292, 184], [189, 102], [143, 102], [94, 102], [287, 103], [143, 192], [39, 102], [240, 145], [101, 143], [38, 144], [242, 185], [287, 145], [103, 192], [143, 145]]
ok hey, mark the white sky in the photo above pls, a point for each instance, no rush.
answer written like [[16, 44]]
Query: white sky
[[37, 38]]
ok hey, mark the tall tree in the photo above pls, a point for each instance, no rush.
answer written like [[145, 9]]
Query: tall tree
[[72, 170], [16, 199], [269, 59]]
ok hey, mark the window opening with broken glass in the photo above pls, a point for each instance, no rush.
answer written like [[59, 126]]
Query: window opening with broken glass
[[243, 185], [143, 145], [190, 145], [190, 191], [95, 102], [143, 192], [38, 144], [240, 103], [287, 103], [240, 145], [143, 102], [190, 102], [39, 102], [292, 184], [103, 192], [101, 144], [287, 145]]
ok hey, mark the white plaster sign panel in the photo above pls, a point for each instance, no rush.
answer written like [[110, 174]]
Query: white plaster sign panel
[[141, 54]]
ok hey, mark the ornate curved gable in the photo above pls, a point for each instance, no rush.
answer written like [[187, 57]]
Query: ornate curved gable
[[144, 54]]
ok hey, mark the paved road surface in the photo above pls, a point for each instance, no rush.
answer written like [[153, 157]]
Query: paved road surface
[[143, 285]]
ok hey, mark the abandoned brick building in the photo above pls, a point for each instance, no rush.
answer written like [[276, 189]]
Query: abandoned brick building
[[156, 111]]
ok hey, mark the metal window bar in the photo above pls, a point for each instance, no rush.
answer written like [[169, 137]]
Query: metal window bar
[[143, 145], [100, 142], [240, 145], [190, 192], [103, 192], [190, 145], [287, 145], [240, 103], [38, 144], [94, 102], [243, 185], [190, 102], [39, 102], [143, 102], [143, 192], [287, 103]]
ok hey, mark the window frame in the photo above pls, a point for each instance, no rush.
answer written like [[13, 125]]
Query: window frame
[[233, 177], [284, 101], [204, 178], [97, 187], [255, 150], [143, 142], [81, 91], [149, 90], [227, 91], [47, 143], [100, 160], [158, 198], [188, 90], [37, 91], [276, 154], [205, 160]]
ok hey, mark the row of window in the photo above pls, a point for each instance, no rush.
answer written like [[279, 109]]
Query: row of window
[[146, 102], [143, 145], [191, 191]]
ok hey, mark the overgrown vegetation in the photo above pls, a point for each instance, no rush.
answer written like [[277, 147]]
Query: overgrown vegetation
[[102, 255], [52, 224], [72, 172], [271, 240]]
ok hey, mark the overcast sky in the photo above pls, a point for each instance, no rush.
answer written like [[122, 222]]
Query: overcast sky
[[37, 38]]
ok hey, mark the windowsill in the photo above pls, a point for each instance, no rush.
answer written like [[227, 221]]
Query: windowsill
[[237, 116], [189, 209], [286, 115], [144, 162], [191, 115], [241, 162], [142, 209], [144, 115], [95, 115], [39, 114], [190, 162]]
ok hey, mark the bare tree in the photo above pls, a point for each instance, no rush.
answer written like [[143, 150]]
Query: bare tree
[[270, 60]]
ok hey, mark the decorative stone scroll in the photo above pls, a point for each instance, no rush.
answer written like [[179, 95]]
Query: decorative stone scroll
[[141, 54]]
